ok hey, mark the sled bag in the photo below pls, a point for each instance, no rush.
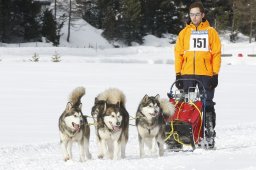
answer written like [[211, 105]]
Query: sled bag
[[189, 114]]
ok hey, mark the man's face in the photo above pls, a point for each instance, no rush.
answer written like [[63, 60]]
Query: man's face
[[196, 16]]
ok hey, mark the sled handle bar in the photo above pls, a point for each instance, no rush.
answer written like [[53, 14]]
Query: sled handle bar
[[204, 91]]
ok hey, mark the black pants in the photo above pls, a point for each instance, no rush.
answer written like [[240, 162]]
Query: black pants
[[209, 104], [205, 82]]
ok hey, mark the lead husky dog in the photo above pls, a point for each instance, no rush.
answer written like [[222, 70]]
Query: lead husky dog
[[73, 127], [112, 123], [150, 122]]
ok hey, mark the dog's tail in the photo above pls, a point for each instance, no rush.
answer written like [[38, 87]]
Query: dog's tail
[[76, 95], [112, 96], [167, 107]]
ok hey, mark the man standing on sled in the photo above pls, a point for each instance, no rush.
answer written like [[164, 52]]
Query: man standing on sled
[[198, 56]]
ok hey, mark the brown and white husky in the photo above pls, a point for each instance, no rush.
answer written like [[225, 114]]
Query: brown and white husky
[[112, 123]]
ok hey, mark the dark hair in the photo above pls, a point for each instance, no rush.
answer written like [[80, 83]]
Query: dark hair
[[197, 5]]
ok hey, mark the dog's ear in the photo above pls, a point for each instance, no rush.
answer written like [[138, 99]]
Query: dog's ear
[[68, 106], [157, 97], [118, 104], [80, 106], [145, 98], [105, 107], [96, 100], [100, 122]]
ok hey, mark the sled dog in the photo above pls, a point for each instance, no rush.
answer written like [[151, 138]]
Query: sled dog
[[73, 127], [112, 123], [150, 122]]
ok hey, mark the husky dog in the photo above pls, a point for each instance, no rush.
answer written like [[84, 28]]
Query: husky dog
[[73, 127], [150, 122], [112, 123]]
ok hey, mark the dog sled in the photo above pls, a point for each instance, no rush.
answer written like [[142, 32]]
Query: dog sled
[[185, 128]]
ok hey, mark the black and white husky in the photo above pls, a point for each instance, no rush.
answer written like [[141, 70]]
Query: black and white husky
[[112, 123], [73, 127], [150, 122]]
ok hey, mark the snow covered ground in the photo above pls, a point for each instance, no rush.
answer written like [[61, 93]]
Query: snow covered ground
[[33, 95]]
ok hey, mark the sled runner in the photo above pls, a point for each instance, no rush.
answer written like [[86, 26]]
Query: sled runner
[[185, 128]]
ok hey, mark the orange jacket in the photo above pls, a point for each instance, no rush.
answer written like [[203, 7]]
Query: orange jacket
[[197, 61]]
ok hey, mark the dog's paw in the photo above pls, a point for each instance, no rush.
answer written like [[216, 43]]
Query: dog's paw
[[69, 162], [123, 156], [115, 158], [142, 155], [100, 156], [153, 151], [161, 153], [82, 159], [161, 150], [88, 156], [66, 158]]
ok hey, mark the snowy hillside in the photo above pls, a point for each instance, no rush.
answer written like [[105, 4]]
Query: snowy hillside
[[87, 45], [83, 35]]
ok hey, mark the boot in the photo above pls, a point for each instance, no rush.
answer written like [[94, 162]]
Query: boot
[[210, 121]]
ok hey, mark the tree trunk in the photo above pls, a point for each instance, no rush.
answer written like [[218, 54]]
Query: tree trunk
[[69, 21], [232, 38], [55, 9], [233, 19], [250, 38]]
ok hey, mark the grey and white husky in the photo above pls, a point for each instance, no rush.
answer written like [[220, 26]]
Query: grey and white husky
[[73, 127], [150, 122], [112, 123]]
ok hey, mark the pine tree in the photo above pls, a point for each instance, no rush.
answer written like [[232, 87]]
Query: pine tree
[[122, 21], [130, 22], [29, 15], [222, 15], [6, 20], [93, 13], [148, 11], [247, 15], [19, 21], [162, 16], [111, 20], [49, 27], [1, 20], [168, 18], [235, 15]]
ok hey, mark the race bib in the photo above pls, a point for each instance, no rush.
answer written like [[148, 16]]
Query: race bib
[[199, 41]]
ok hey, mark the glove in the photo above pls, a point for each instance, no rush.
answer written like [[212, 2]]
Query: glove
[[213, 83], [179, 84]]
